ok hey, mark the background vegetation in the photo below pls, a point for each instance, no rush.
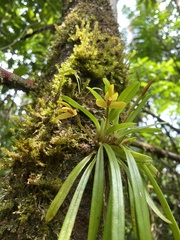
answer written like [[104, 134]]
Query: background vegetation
[[26, 33], [155, 38]]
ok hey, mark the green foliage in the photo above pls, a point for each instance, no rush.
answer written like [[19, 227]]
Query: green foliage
[[166, 87], [114, 156], [25, 33], [155, 31], [155, 37]]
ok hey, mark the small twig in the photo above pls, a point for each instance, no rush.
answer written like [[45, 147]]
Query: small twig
[[24, 36], [40, 30], [158, 151], [15, 41]]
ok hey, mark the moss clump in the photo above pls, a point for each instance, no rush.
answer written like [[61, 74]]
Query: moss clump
[[99, 55], [93, 49], [42, 157]]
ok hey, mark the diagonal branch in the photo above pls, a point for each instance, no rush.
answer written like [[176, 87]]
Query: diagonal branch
[[14, 81], [15, 40], [158, 151], [24, 36], [40, 30], [161, 120], [177, 3]]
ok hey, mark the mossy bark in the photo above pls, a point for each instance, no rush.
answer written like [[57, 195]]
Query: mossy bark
[[87, 49]]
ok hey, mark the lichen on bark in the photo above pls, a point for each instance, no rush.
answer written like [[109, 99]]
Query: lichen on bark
[[87, 49]]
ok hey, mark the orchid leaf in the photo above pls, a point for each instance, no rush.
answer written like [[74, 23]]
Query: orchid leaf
[[69, 220], [133, 210], [141, 208], [120, 127], [134, 114], [86, 112], [108, 222], [95, 94], [174, 227], [117, 215], [141, 158], [145, 129], [97, 196], [155, 208], [64, 190], [129, 92]]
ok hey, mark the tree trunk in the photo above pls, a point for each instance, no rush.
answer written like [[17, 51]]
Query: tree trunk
[[87, 49]]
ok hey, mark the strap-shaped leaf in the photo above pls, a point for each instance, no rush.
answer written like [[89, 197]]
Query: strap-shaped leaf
[[134, 114], [106, 84], [126, 96], [114, 114], [117, 215], [131, 196], [95, 94], [120, 127], [97, 196], [86, 112], [129, 92], [133, 210], [174, 227], [65, 188], [141, 158], [69, 220], [141, 208], [155, 208], [108, 221], [101, 131], [153, 170], [146, 129]]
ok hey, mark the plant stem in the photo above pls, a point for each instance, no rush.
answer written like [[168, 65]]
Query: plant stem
[[106, 124], [82, 127]]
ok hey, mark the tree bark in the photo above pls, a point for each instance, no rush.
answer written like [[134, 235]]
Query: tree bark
[[87, 49]]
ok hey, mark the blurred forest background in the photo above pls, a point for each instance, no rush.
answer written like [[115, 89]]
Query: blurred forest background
[[152, 40]]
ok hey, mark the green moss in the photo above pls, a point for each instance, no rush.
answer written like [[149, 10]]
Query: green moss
[[93, 50], [98, 54], [42, 154]]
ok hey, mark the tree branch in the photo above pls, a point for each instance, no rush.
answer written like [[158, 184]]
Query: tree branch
[[24, 36], [177, 3], [161, 120], [14, 81], [40, 30], [158, 151], [15, 41]]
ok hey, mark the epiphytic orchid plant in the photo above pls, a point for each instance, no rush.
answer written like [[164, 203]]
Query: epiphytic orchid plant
[[113, 136]]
